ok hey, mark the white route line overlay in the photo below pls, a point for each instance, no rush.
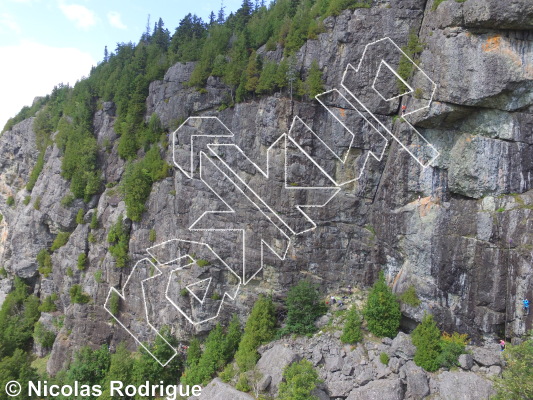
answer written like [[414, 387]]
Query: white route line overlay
[[266, 175]]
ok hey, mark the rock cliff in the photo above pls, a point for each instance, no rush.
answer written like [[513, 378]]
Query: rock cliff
[[459, 230]]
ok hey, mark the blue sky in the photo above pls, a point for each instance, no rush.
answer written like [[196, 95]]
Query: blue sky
[[45, 42]]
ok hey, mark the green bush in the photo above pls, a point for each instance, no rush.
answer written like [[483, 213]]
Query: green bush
[[10, 201], [384, 358], [382, 311], [299, 381], [44, 262], [351, 333], [228, 373], [119, 239], [26, 200], [94, 220], [219, 349], [260, 328], [436, 4], [242, 384], [516, 382], [77, 295], [138, 180], [91, 238], [451, 347], [60, 240], [37, 203], [202, 263], [405, 66], [67, 200], [98, 276], [43, 336], [70, 272], [304, 306], [82, 261], [80, 217], [35, 172], [48, 304], [152, 237], [18, 314], [114, 303], [427, 339], [410, 297]]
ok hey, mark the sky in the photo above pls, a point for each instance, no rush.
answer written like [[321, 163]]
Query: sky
[[46, 42]]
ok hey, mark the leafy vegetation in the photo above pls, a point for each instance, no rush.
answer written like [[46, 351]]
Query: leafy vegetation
[[10, 201], [138, 180], [82, 261], [60, 240], [384, 358], [43, 336], [304, 306], [220, 346], [410, 297], [94, 220], [119, 239], [382, 310], [516, 382], [44, 262], [351, 332], [260, 328], [35, 172], [77, 295], [80, 220], [426, 338], [299, 380], [48, 304], [405, 66]]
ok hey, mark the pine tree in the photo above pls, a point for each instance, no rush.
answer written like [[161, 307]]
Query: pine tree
[[260, 328], [382, 310], [221, 16], [426, 338], [313, 82], [299, 381], [351, 333], [267, 79], [252, 73]]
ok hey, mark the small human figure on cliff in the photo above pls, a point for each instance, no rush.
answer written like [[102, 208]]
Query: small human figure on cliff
[[502, 345], [526, 306], [403, 109], [333, 300]]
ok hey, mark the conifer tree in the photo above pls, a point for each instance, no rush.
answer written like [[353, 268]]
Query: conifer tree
[[426, 338], [314, 80], [382, 310], [351, 333], [252, 73], [259, 329]]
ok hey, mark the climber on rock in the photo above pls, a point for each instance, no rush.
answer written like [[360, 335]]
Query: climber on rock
[[526, 306], [502, 345]]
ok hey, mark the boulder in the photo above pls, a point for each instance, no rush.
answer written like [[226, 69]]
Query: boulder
[[272, 363], [384, 389], [461, 385], [486, 357], [466, 361], [218, 390], [417, 381], [402, 347]]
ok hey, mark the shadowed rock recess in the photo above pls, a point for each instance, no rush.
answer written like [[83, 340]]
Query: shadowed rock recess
[[459, 231]]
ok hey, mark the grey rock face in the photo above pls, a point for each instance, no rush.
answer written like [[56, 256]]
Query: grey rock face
[[417, 381], [402, 346], [385, 389], [462, 386], [487, 357], [272, 363], [218, 390], [466, 361]]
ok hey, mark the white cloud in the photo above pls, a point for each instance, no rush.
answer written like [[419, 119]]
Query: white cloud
[[32, 69], [9, 22], [115, 20], [80, 15]]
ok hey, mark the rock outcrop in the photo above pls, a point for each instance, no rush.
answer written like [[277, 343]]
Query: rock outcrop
[[458, 230]]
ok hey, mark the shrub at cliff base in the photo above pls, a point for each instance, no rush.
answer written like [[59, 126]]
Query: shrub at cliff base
[[382, 310]]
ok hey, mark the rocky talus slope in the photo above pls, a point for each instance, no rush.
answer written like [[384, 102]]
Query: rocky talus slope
[[459, 231]]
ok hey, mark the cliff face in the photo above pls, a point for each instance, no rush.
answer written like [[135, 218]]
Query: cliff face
[[458, 230]]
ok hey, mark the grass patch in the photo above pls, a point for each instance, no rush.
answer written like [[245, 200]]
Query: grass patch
[[410, 297]]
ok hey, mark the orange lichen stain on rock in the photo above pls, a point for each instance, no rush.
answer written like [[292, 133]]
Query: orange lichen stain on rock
[[425, 206], [342, 112], [492, 43]]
